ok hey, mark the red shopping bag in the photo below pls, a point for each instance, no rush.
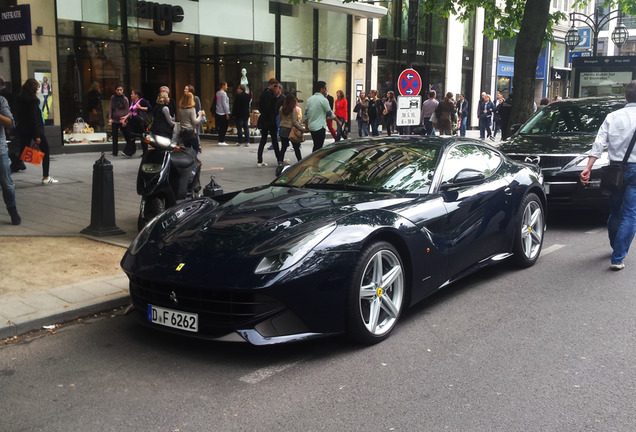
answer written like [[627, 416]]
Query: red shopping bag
[[32, 155]]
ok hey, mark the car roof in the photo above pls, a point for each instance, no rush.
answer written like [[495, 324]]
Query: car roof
[[597, 100], [437, 141]]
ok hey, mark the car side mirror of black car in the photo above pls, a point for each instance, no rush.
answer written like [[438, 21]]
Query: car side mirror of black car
[[465, 177], [514, 128]]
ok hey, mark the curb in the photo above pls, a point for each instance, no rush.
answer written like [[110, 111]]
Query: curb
[[16, 329]]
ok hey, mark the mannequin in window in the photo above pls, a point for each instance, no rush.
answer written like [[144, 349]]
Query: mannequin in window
[[244, 80]]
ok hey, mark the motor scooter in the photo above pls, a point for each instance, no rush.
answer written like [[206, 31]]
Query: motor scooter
[[168, 174]]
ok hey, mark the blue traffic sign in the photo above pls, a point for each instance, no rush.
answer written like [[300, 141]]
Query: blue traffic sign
[[409, 83]]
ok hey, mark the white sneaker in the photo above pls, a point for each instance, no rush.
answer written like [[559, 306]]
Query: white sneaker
[[246, 145], [261, 164], [620, 266], [222, 144], [48, 180]]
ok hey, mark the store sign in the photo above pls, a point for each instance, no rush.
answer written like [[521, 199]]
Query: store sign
[[162, 16], [15, 26]]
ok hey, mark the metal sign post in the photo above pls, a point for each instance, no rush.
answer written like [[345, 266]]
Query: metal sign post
[[409, 86]]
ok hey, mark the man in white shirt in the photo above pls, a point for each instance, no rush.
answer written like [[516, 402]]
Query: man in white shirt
[[616, 132]]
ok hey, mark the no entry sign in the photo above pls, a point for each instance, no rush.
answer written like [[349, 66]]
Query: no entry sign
[[409, 83]]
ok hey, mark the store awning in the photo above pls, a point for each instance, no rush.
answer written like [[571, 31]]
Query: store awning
[[358, 9]]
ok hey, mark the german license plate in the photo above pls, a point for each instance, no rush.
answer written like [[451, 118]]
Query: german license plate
[[173, 318]]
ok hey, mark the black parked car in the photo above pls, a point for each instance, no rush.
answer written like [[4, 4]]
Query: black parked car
[[558, 138], [343, 241]]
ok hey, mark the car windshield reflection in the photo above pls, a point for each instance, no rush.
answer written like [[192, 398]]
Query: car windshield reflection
[[371, 167], [568, 119]]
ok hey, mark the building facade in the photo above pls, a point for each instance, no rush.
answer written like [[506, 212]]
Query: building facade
[[80, 47]]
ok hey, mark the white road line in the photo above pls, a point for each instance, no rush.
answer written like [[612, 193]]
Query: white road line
[[554, 247], [596, 231], [264, 373]]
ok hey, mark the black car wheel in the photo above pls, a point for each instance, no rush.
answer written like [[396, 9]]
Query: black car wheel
[[376, 294], [529, 233]]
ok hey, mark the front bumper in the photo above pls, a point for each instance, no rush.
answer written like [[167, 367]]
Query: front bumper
[[568, 192]]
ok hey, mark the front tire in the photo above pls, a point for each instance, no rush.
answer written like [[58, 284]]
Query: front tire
[[529, 231], [376, 294], [152, 208]]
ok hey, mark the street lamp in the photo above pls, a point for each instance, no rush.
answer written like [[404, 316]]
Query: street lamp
[[620, 35]]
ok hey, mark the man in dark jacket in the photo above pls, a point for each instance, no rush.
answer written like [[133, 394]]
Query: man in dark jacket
[[505, 109], [241, 114], [267, 120]]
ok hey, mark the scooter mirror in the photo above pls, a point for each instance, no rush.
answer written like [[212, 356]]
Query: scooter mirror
[[160, 142]]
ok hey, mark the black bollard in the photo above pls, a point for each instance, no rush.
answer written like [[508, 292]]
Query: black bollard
[[103, 201]]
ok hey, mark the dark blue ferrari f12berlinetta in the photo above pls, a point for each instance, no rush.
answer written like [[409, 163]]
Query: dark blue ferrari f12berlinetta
[[342, 242]]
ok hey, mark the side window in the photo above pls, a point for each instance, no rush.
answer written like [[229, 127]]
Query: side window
[[470, 156]]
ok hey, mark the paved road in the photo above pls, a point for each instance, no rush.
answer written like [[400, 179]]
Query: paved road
[[549, 348]]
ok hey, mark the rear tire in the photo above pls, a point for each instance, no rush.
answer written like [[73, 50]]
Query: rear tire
[[529, 231], [376, 294]]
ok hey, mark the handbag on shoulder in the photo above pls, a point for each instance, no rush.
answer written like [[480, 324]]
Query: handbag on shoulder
[[612, 174], [296, 135]]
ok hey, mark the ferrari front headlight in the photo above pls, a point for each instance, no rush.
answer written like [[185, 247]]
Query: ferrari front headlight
[[143, 236], [293, 252]]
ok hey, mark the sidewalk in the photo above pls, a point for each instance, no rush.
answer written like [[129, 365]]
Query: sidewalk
[[64, 209]]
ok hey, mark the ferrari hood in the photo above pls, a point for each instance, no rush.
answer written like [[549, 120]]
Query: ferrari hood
[[548, 144], [264, 215]]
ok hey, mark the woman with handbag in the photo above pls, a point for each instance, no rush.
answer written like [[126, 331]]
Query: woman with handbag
[[362, 109], [290, 123], [31, 125], [135, 122], [189, 121], [390, 111]]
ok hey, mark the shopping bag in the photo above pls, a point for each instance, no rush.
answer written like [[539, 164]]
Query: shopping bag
[[32, 155]]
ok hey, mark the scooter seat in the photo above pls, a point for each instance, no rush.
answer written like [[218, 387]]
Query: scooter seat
[[183, 158]]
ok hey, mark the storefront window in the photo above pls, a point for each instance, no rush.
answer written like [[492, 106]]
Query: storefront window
[[296, 32], [296, 78], [80, 67], [335, 75], [332, 35], [507, 46]]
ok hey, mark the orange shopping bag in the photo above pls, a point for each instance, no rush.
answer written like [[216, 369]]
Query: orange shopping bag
[[32, 155]]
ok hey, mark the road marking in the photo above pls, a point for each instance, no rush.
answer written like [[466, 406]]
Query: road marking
[[554, 247], [596, 231], [264, 373], [213, 169]]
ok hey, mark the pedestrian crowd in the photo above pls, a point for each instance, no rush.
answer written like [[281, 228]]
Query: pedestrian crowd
[[278, 119]]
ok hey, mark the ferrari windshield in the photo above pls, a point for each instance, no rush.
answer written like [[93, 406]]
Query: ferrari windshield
[[372, 166], [566, 118]]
